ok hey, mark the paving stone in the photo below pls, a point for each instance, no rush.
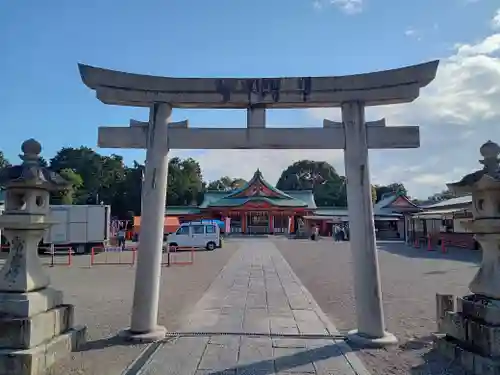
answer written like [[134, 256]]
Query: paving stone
[[236, 302], [202, 320], [212, 372], [256, 301], [276, 290], [279, 310], [309, 322], [256, 357], [229, 323], [283, 325], [298, 302], [256, 320], [178, 357], [279, 315], [289, 343], [293, 360], [230, 341], [232, 310], [219, 357], [328, 358]]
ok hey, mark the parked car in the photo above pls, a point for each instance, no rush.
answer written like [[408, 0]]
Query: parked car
[[196, 234]]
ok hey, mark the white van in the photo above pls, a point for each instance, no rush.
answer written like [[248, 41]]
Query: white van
[[196, 234]]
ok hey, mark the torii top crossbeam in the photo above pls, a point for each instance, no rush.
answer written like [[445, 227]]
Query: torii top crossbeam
[[377, 88]]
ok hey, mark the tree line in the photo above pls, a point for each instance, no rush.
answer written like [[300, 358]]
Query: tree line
[[94, 179]]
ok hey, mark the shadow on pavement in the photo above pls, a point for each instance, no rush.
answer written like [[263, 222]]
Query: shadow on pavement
[[104, 343], [286, 363], [418, 343], [433, 364], [432, 360], [454, 254]]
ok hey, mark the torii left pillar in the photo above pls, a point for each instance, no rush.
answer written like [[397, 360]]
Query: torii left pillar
[[144, 323]]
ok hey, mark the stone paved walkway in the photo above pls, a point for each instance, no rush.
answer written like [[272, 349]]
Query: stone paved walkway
[[257, 291]]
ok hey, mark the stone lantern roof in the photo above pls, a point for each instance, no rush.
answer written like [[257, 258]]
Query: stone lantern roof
[[485, 178], [30, 173]]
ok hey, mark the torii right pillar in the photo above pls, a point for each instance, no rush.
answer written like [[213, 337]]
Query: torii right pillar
[[369, 309]]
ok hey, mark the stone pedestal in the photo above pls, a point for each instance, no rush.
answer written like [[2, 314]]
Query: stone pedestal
[[472, 335], [36, 331]]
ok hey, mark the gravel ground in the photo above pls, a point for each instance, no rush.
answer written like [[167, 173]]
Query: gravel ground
[[102, 296], [410, 279]]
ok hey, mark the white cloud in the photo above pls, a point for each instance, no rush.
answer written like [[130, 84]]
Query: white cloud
[[346, 6], [410, 32], [413, 33], [437, 180], [457, 112], [317, 4], [488, 46], [495, 22]]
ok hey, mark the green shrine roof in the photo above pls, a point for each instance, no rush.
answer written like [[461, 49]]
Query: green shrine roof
[[181, 210], [259, 190]]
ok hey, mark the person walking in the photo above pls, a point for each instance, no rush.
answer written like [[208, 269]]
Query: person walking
[[121, 238], [336, 233], [342, 234]]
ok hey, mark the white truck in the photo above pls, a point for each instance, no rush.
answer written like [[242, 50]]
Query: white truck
[[80, 227]]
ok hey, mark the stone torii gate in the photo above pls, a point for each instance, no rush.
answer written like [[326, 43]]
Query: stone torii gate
[[159, 135]]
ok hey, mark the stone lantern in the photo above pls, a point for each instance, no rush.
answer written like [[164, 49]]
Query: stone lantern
[[36, 328], [473, 330]]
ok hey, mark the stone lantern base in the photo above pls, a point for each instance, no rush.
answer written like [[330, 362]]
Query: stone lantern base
[[472, 334], [36, 330]]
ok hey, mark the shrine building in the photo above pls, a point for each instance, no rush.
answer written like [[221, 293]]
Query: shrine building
[[255, 208], [260, 208]]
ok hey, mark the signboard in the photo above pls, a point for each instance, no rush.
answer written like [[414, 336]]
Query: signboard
[[227, 223], [463, 215], [116, 225], [336, 220]]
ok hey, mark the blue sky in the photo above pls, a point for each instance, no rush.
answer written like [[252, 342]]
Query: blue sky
[[42, 95]]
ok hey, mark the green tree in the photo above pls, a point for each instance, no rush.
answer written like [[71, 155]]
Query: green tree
[[394, 188], [374, 194], [238, 183], [3, 161], [320, 177], [129, 190], [226, 183], [102, 176], [441, 196], [75, 183], [85, 162], [43, 162], [185, 182]]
